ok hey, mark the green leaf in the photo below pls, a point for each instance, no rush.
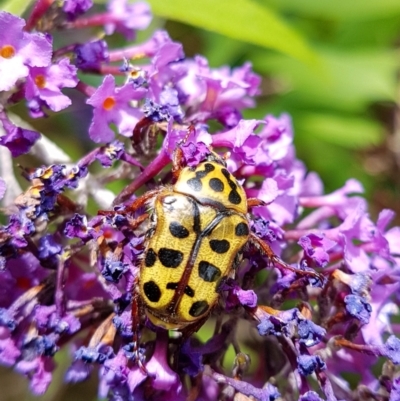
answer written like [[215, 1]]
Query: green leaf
[[242, 20], [339, 9], [213, 43], [348, 132], [349, 81], [16, 7]]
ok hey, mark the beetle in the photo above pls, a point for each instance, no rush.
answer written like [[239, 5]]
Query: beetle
[[198, 227]]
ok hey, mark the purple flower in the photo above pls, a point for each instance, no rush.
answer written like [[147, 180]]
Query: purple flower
[[238, 296], [39, 370], [309, 333], [9, 350], [78, 227], [16, 231], [392, 349], [111, 105], [74, 8], [90, 354], [20, 50], [358, 308], [128, 17], [309, 364], [107, 154], [310, 396], [168, 107], [78, 371], [44, 84], [118, 379], [395, 391], [18, 140], [316, 247], [261, 228], [164, 378], [167, 68], [287, 323], [48, 247], [195, 152], [218, 93], [268, 393], [242, 140], [89, 56], [190, 359], [113, 269]]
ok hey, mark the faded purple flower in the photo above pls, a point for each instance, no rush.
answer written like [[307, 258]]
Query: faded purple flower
[[89, 56], [17, 140], [392, 349], [310, 396], [128, 17], [74, 8], [308, 364], [358, 308]]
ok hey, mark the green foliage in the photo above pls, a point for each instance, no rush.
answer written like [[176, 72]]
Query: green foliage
[[242, 20], [16, 7], [339, 9]]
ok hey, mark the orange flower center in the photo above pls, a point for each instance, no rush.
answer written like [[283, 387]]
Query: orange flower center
[[40, 81], [108, 103], [7, 51]]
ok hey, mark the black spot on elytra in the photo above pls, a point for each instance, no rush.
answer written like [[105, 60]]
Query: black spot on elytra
[[233, 196], [209, 272], [170, 257], [216, 185], [172, 286], [189, 291], [152, 291], [195, 182], [178, 230], [219, 246], [208, 167], [242, 229], [150, 258], [198, 308]]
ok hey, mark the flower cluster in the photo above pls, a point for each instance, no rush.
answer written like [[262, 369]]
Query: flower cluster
[[68, 274]]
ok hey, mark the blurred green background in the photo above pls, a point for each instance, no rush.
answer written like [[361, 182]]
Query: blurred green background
[[332, 65]]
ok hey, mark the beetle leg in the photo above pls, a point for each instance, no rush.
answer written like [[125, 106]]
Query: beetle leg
[[142, 200], [135, 205], [267, 251], [136, 313], [177, 163], [253, 202], [140, 130]]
